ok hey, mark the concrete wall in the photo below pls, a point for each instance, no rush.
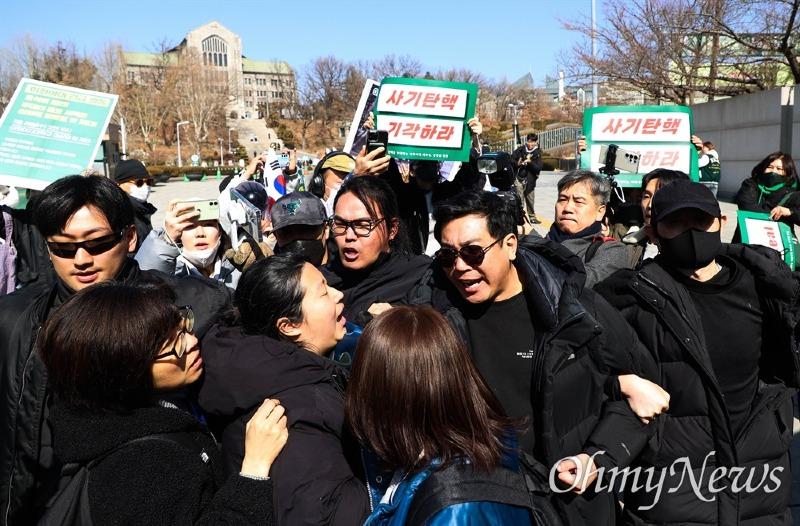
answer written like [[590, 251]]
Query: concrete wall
[[747, 128]]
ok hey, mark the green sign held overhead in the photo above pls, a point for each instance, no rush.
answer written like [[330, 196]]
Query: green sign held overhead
[[661, 135], [48, 131], [426, 119]]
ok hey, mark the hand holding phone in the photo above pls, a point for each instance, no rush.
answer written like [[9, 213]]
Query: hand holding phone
[[208, 209], [377, 139]]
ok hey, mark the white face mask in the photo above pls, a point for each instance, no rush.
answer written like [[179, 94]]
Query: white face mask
[[140, 192], [201, 258]]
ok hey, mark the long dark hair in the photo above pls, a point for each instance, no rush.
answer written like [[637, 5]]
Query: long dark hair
[[99, 346], [789, 168], [269, 290], [381, 202], [415, 395]]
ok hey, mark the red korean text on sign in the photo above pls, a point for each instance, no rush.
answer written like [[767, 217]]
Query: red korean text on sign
[[613, 126], [651, 126], [428, 131], [632, 124], [650, 158], [445, 133], [671, 126], [413, 98], [670, 159], [430, 100], [449, 101], [394, 128], [395, 97], [410, 130]]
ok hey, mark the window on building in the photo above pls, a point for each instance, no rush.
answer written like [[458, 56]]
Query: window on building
[[131, 76], [215, 51], [274, 94], [274, 83]]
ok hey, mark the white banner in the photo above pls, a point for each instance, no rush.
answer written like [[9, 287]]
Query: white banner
[[641, 126], [416, 131], [423, 100]]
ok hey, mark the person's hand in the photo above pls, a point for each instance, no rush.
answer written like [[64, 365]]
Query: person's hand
[[404, 167], [251, 168], [178, 218], [369, 124], [578, 475], [697, 141], [779, 212], [475, 126], [378, 308], [264, 437], [646, 398], [371, 163], [291, 168], [582, 144]]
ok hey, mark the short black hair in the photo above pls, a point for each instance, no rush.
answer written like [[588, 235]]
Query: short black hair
[[532, 137], [269, 290], [664, 177], [500, 218], [59, 201], [99, 346]]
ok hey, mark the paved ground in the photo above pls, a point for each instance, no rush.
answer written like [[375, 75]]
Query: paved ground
[[545, 199]]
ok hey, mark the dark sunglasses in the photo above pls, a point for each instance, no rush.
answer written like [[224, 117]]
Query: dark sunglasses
[[139, 182], [472, 255], [94, 246], [360, 227], [186, 326]]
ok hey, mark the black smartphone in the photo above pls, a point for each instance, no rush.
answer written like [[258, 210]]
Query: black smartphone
[[377, 139]]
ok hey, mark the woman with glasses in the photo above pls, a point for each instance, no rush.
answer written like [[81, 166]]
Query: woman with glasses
[[288, 319], [373, 268], [151, 462], [773, 189]]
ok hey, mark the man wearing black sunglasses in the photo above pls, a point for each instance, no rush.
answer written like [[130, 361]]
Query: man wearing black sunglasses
[[132, 177], [546, 345], [87, 223]]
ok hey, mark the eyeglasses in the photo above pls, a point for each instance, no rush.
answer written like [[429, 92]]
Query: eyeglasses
[[186, 326], [472, 255], [139, 182], [360, 227], [94, 246]]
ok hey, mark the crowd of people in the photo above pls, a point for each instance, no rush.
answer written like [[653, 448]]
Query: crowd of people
[[395, 347]]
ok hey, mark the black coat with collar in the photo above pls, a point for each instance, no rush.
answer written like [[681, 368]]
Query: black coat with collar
[[157, 481], [27, 466], [581, 345], [318, 474], [662, 312]]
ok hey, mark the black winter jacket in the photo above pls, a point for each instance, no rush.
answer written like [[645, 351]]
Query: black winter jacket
[[142, 211], [27, 466], [315, 475], [749, 198], [581, 345], [155, 481], [33, 262], [388, 280], [663, 314]]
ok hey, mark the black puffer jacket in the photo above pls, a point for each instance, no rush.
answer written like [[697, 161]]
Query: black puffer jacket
[[388, 280], [663, 314], [27, 467], [315, 475], [155, 481], [581, 344], [143, 211]]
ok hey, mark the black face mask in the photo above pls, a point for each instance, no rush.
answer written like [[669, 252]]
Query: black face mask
[[693, 249], [311, 250], [770, 179]]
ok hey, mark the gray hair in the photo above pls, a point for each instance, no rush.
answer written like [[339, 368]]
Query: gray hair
[[599, 185]]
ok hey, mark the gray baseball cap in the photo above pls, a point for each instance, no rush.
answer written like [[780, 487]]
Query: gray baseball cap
[[298, 208]]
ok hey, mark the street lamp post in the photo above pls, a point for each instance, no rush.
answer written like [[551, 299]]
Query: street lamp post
[[514, 108], [221, 158], [594, 54], [178, 133], [230, 151]]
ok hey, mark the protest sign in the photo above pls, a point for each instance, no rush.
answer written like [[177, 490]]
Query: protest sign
[[426, 119], [49, 131], [661, 135], [758, 229], [357, 136]]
